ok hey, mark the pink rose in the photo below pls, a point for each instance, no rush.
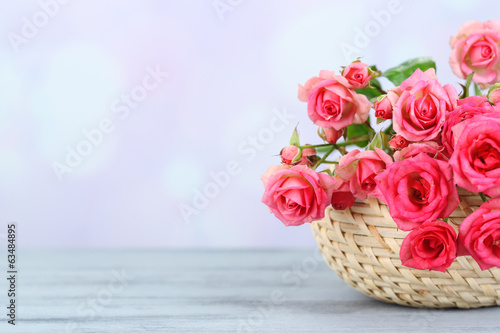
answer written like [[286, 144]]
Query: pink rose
[[479, 235], [431, 148], [357, 74], [360, 168], [418, 190], [290, 155], [331, 135], [331, 103], [433, 245], [476, 158], [342, 196], [383, 107], [272, 170], [466, 109], [398, 142], [309, 156], [494, 93], [475, 48], [298, 195], [421, 105]]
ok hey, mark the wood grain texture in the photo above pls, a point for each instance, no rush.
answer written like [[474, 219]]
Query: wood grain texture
[[209, 291]]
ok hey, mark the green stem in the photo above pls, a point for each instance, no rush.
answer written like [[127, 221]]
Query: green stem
[[354, 140], [483, 197], [324, 157], [331, 162], [478, 91], [316, 146]]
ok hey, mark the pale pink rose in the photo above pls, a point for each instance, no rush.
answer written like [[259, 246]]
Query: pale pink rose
[[475, 48], [476, 158], [398, 142], [418, 190], [360, 168], [331, 135], [494, 93], [466, 109], [271, 170], [432, 245], [383, 107], [298, 194], [331, 103], [357, 74], [431, 148], [421, 105], [289, 154], [309, 156], [479, 235], [342, 196]]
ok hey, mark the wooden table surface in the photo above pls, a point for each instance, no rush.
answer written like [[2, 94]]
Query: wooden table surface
[[208, 291]]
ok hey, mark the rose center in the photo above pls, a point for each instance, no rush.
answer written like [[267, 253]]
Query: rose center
[[486, 51], [330, 109], [339, 206], [358, 77], [419, 191], [487, 158], [368, 184]]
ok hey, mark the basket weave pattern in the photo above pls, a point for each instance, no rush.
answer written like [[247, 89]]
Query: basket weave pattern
[[361, 244]]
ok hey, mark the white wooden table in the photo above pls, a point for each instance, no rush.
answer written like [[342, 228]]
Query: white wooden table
[[208, 291]]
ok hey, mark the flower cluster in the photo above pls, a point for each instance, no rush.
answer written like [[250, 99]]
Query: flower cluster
[[432, 140]]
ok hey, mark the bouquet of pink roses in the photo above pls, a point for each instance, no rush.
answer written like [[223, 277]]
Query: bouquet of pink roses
[[432, 141]]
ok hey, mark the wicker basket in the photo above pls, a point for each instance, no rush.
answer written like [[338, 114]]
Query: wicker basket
[[361, 245]]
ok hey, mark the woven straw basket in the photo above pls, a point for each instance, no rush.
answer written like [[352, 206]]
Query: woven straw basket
[[361, 244]]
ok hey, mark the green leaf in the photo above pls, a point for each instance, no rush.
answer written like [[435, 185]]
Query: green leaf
[[371, 93], [294, 140], [355, 130], [478, 91], [468, 81], [400, 73], [375, 84]]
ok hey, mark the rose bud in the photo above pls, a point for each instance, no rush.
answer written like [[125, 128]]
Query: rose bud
[[309, 157], [494, 93], [330, 134], [291, 155], [383, 107], [358, 74], [342, 196], [398, 142]]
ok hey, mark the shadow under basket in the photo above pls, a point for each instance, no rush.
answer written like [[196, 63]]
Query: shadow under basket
[[361, 244]]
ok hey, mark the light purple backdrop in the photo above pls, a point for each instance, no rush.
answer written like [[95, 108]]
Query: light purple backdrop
[[115, 115]]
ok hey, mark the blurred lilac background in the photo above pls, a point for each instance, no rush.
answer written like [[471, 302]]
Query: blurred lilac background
[[224, 69]]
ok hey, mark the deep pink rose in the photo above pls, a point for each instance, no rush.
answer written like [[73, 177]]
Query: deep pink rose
[[494, 93], [476, 158], [357, 74], [418, 190], [431, 148], [433, 245], [466, 109], [309, 156], [289, 154], [398, 142], [475, 48], [479, 235], [331, 135], [383, 107], [342, 196], [298, 195], [421, 105], [331, 103], [360, 168]]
